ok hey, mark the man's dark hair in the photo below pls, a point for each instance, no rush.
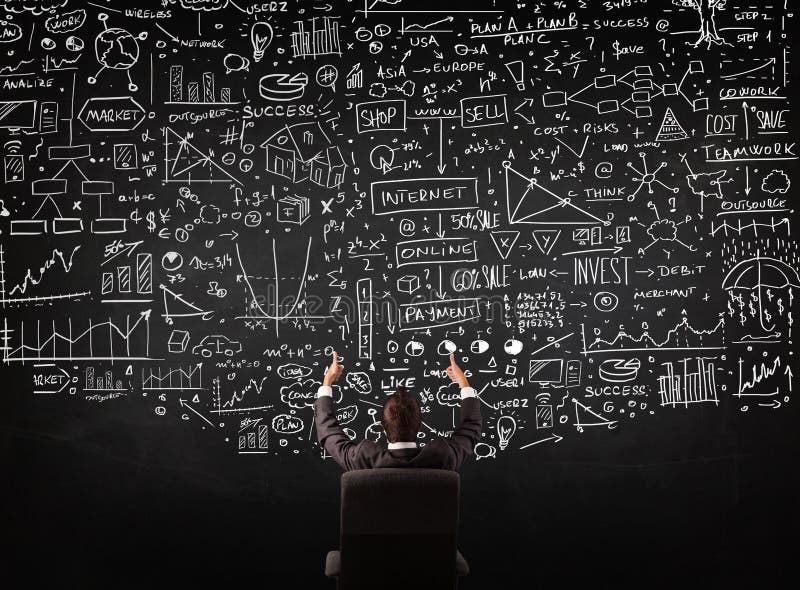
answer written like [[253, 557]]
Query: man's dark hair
[[401, 416]]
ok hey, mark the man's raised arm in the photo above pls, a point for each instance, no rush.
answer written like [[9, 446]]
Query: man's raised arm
[[468, 432], [330, 434]]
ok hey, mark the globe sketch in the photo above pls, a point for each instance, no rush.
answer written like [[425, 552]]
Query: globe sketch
[[116, 49]]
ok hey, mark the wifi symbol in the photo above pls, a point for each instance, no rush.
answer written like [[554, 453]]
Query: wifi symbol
[[13, 146], [543, 398]]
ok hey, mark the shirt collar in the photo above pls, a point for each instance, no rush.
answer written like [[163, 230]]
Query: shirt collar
[[402, 445]]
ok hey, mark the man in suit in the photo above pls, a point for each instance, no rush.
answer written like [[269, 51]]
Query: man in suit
[[401, 421]]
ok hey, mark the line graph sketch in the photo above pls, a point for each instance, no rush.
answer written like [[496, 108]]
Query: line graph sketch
[[682, 336], [101, 341]]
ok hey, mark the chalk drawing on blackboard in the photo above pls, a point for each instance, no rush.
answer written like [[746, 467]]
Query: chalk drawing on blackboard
[[605, 301], [437, 26], [178, 341], [707, 11], [682, 336], [303, 151], [664, 231], [763, 276], [706, 184], [761, 373], [506, 427], [578, 154], [504, 242], [545, 370], [647, 178], [283, 87], [175, 306], [382, 158], [261, 35], [255, 310], [619, 370], [586, 417], [57, 259], [753, 65], [527, 202], [188, 378], [103, 382], [116, 49], [316, 36], [171, 261], [545, 239], [253, 437], [693, 383], [555, 438], [544, 411], [185, 163], [13, 162], [396, 8], [104, 341], [671, 129], [201, 92], [240, 400], [776, 181]]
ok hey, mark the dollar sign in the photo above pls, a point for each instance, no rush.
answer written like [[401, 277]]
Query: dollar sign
[[151, 223]]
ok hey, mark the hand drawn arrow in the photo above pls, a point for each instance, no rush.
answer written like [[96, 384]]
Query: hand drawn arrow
[[185, 405], [441, 165], [554, 438], [746, 179]]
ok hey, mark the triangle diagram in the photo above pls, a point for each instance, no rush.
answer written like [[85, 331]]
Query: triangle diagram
[[504, 242], [670, 129], [530, 202], [545, 239], [177, 307], [185, 163], [585, 416]]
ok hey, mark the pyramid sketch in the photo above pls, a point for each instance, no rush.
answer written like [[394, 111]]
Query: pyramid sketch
[[183, 162], [530, 202], [504, 242], [545, 239], [670, 129]]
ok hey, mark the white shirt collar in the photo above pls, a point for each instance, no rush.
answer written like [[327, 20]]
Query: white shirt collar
[[402, 445]]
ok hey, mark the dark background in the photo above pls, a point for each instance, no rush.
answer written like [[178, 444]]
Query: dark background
[[114, 496], [117, 506]]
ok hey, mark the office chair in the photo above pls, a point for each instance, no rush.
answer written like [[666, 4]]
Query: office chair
[[398, 530]]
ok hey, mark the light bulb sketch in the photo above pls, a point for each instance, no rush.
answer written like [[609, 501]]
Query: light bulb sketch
[[506, 427], [261, 34]]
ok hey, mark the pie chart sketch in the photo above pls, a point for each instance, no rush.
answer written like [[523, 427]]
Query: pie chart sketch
[[381, 158]]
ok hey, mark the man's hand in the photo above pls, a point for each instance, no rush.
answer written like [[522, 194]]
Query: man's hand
[[333, 372], [456, 374]]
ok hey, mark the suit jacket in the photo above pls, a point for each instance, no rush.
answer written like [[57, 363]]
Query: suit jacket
[[440, 453]]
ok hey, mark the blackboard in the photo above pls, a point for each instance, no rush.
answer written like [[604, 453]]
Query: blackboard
[[588, 202]]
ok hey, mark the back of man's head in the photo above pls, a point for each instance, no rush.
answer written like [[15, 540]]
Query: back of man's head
[[401, 416]]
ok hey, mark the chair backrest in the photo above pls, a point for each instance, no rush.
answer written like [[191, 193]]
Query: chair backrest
[[399, 528]]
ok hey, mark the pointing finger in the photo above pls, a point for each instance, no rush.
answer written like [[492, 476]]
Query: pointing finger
[[452, 360], [335, 357]]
